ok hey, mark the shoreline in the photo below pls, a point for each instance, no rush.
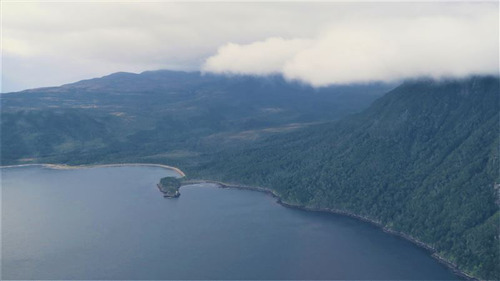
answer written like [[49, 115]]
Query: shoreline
[[453, 267], [68, 167], [275, 195]]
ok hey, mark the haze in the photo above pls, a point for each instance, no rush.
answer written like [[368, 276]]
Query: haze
[[46, 44]]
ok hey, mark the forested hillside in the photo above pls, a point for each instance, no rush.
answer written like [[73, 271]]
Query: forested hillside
[[163, 115], [422, 160]]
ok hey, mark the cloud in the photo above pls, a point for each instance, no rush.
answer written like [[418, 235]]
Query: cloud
[[51, 43], [385, 49], [47, 44], [263, 58]]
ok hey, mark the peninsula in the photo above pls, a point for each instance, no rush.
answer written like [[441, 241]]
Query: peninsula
[[169, 186]]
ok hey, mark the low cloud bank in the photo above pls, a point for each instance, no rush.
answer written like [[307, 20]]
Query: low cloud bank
[[385, 50]]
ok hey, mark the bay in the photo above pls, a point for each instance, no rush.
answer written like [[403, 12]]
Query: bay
[[113, 223]]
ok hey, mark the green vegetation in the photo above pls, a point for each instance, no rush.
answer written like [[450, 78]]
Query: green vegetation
[[163, 115], [170, 187], [422, 160]]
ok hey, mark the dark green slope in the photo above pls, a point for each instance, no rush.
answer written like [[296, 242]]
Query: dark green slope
[[423, 160], [163, 115]]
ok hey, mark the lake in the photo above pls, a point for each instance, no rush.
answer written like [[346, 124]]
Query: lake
[[113, 223]]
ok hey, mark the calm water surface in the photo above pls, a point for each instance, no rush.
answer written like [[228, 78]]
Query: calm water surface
[[112, 223]]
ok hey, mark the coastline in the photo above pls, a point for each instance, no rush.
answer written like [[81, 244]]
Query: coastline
[[176, 195], [453, 267], [275, 195], [68, 167]]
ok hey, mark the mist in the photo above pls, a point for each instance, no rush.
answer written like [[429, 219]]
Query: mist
[[319, 43], [376, 50]]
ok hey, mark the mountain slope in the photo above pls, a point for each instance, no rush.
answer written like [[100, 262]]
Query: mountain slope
[[152, 113], [422, 160]]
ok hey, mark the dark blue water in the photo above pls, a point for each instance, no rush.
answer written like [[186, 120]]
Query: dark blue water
[[112, 223]]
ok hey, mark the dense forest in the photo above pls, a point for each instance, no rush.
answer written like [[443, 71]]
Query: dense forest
[[422, 159], [164, 115]]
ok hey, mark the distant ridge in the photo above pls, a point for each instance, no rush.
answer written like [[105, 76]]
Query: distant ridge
[[163, 79], [156, 112]]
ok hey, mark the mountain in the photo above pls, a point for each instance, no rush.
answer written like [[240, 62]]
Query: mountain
[[163, 115], [422, 160]]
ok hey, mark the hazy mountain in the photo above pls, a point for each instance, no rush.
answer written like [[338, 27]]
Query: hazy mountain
[[423, 159], [164, 113]]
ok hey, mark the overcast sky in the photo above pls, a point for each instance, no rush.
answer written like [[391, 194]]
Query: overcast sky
[[47, 44]]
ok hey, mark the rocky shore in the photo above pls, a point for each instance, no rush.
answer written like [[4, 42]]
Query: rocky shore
[[168, 194], [169, 186]]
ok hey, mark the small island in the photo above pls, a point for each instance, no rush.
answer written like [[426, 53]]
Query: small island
[[169, 186]]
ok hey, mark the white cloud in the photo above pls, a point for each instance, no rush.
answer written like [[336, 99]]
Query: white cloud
[[263, 58], [385, 49], [51, 43]]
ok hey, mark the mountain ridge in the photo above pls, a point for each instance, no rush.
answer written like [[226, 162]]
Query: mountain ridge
[[174, 76], [139, 111]]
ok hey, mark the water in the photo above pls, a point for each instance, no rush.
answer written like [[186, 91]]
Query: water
[[112, 223]]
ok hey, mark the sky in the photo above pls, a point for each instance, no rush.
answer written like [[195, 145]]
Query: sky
[[319, 43]]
